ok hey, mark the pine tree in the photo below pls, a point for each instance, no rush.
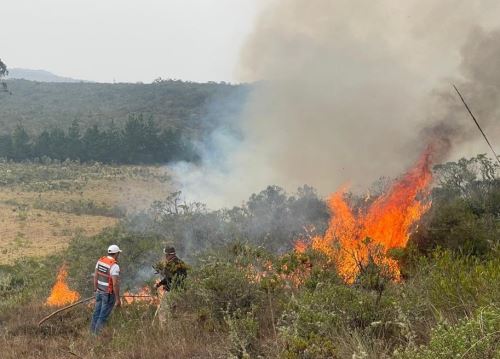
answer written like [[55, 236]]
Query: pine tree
[[21, 145], [74, 141]]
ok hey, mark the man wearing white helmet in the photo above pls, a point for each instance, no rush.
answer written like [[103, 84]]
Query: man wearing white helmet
[[106, 287]]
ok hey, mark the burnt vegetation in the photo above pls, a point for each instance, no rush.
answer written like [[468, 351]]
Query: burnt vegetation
[[248, 294]]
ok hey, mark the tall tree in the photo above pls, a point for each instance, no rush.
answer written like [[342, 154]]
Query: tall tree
[[114, 146], [134, 138], [41, 146], [6, 146], [21, 145], [59, 144], [93, 144], [75, 146]]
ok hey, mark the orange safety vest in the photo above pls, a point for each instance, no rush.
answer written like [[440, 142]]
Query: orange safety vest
[[104, 280]]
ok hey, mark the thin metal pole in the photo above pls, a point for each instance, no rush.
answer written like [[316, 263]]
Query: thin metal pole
[[477, 124]]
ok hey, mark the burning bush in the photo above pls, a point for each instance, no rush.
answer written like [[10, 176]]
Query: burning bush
[[355, 240]]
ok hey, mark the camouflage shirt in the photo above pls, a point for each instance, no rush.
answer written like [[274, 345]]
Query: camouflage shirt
[[173, 273]]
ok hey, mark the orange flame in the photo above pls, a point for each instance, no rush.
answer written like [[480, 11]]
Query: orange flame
[[61, 294], [386, 222], [300, 246], [144, 295]]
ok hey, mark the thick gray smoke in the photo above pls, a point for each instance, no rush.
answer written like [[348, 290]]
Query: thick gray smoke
[[352, 90], [448, 121]]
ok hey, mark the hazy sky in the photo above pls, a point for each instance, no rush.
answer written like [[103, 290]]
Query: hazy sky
[[127, 40]]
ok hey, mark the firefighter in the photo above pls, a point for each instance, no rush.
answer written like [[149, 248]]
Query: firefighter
[[172, 269], [106, 287], [173, 272]]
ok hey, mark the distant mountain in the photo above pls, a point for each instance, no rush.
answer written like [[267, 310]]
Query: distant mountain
[[38, 75]]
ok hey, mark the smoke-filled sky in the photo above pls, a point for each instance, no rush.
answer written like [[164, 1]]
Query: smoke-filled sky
[[353, 90], [127, 40]]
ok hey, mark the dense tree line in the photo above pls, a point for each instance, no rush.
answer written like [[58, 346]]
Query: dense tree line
[[139, 141]]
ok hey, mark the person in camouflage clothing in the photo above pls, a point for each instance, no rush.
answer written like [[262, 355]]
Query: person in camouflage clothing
[[172, 269], [173, 272]]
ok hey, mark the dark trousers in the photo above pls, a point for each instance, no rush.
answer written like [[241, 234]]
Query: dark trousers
[[104, 304]]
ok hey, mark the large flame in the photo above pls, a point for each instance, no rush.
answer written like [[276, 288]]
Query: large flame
[[352, 238], [61, 294]]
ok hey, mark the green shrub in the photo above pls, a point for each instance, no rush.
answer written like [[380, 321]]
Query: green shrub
[[28, 280], [243, 333], [465, 208], [452, 286], [235, 291], [477, 337], [218, 289], [311, 325]]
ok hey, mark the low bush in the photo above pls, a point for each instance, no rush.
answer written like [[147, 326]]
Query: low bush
[[234, 291], [475, 337], [315, 320], [446, 285], [26, 281]]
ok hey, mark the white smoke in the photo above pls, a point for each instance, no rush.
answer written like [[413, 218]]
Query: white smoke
[[345, 89]]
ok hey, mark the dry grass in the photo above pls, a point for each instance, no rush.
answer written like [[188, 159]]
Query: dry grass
[[132, 194], [130, 336], [32, 232], [26, 231]]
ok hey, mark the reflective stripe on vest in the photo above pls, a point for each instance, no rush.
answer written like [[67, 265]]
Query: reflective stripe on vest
[[104, 280]]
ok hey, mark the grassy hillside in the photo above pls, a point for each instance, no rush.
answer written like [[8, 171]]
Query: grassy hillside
[[174, 104], [44, 206]]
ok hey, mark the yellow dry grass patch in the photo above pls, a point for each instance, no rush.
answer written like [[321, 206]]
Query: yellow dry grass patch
[[131, 194], [34, 233]]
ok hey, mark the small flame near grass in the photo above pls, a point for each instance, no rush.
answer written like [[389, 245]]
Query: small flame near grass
[[300, 246], [143, 295], [60, 293]]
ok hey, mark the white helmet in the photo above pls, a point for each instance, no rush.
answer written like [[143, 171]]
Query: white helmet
[[113, 249]]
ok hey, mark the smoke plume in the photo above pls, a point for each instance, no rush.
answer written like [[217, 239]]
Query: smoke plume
[[352, 90], [448, 123]]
